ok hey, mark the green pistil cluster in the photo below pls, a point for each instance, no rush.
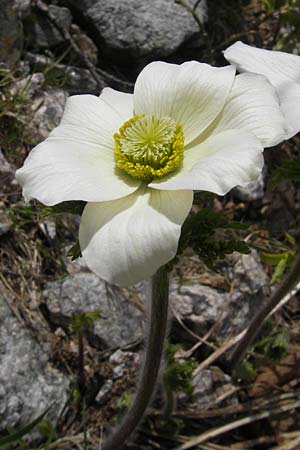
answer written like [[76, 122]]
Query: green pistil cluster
[[148, 147]]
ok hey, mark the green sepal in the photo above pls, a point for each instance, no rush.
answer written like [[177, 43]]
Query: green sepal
[[289, 170]]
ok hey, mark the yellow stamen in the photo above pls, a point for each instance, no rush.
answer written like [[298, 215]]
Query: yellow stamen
[[148, 147]]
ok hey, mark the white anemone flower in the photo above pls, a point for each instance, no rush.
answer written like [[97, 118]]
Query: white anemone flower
[[282, 70], [136, 159]]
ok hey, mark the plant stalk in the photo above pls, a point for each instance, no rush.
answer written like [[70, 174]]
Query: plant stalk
[[153, 356], [284, 288], [170, 402], [81, 374]]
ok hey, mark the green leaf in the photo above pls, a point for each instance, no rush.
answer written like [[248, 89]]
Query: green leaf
[[272, 259], [290, 239], [270, 5], [247, 372], [291, 17], [45, 428], [123, 404], [74, 252], [47, 431], [202, 197], [178, 374], [18, 434], [21, 215], [279, 260], [280, 269], [84, 320], [275, 347], [278, 346], [289, 170], [201, 231], [72, 207], [171, 426]]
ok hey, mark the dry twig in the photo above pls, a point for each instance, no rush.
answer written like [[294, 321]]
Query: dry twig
[[215, 432]]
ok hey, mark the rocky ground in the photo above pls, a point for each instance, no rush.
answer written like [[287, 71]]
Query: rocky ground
[[50, 50]]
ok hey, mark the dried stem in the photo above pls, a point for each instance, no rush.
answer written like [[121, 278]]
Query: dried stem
[[215, 432], [255, 326], [153, 355]]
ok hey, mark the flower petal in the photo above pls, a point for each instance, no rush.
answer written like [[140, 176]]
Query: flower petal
[[283, 71], [59, 170], [88, 118], [125, 241], [253, 105], [191, 93], [221, 162], [77, 162], [120, 102]]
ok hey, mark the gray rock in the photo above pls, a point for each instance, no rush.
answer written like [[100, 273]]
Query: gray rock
[[48, 109], [28, 383], [253, 191], [140, 29], [42, 32], [75, 80], [5, 167], [122, 361], [105, 393], [7, 173], [120, 322], [30, 85], [11, 34], [22, 7], [251, 288], [5, 223], [248, 274], [201, 306], [209, 387], [81, 81]]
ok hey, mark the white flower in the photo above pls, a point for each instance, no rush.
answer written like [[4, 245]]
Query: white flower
[[282, 70], [136, 159]]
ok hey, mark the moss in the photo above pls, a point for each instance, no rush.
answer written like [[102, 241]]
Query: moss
[[178, 374]]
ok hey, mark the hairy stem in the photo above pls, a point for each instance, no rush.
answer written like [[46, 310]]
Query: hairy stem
[[170, 401], [255, 326], [153, 355]]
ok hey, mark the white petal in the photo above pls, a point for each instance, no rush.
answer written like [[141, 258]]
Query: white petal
[[59, 170], [283, 71], [88, 118], [221, 162], [192, 93], [125, 241], [77, 161], [253, 105], [290, 105], [121, 102], [277, 66]]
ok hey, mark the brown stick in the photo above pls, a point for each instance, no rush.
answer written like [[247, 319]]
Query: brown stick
[[284, 288]]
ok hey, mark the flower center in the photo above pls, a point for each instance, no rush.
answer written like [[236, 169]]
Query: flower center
[[148, 147]]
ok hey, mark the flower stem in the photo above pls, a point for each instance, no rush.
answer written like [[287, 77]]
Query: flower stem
[[255, 326], [153, 355], [170, 401]]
